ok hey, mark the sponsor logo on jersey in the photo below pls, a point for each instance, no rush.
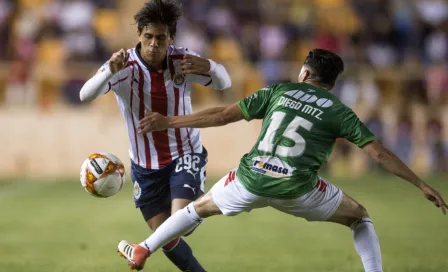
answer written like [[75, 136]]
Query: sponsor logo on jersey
[[310, 98], [179, 79], [271, 166], [137, 190]]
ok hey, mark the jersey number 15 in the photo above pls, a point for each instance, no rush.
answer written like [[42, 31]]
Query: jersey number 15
[[290, 132]]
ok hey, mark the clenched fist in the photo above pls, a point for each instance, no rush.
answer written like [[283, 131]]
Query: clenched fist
[[194, 65], [118, 61]]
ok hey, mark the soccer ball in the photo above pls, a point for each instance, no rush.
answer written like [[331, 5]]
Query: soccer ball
[[102, 175]]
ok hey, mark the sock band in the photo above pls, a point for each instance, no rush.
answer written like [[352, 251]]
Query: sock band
[[191, 212], [360, 221]]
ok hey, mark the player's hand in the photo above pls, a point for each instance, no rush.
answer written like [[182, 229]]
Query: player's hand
[[153, 121], [194, 65], [434, 196], [118, 61]]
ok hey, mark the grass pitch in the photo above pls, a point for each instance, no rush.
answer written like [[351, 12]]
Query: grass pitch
[[56, 226]]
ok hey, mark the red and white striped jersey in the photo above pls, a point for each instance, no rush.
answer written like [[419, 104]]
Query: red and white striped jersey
[[167, 92]]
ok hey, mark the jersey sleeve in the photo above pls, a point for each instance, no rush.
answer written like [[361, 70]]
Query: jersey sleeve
[[115, 80], [103, 69], [256, 105], [354, 130]]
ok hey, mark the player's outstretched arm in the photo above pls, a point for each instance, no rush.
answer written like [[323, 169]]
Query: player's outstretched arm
[[99, 84], [394, 165], [213, 117]]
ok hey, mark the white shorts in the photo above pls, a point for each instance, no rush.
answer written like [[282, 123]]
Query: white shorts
[[318, 205]]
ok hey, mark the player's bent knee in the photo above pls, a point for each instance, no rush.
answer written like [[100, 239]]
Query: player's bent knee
[[362, 211], [348, 212], [359, 213], [206, 207]]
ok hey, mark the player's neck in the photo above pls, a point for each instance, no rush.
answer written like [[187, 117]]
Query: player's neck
[[318, 85], [153, 65]]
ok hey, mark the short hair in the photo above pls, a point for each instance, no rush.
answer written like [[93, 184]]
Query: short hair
[[165, 12], [325, 66]]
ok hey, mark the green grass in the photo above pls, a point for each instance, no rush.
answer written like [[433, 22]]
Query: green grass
[[56, 226]]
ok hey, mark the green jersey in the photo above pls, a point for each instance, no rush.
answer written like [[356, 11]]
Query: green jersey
[[300, 126]]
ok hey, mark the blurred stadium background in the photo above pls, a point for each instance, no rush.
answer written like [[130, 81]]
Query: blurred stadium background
[[396, 54]]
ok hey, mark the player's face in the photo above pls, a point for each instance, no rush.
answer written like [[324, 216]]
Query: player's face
[[155, 40]]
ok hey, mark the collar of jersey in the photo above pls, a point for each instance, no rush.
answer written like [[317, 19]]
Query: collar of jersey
[[137, 52], [314, 87]]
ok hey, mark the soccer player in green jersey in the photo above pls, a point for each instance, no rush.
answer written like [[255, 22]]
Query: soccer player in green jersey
[[301, 122]]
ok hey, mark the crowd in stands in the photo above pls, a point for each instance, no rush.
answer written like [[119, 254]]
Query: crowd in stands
[[395, 51]]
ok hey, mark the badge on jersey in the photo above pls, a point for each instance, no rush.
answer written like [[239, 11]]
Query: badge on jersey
[[179, 79]]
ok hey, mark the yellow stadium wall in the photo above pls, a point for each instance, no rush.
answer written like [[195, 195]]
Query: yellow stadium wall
[[55, 143]]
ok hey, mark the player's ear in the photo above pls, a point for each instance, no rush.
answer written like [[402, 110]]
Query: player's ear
[[304, 75], [307, 75]]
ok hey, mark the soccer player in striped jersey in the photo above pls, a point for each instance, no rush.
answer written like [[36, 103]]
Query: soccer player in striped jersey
[[301, 122], [168, 166]]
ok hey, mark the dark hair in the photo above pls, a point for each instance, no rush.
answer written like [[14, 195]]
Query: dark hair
[[165, 12], [325, 66]]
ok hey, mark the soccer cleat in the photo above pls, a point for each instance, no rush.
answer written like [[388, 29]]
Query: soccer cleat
[[136, 255]]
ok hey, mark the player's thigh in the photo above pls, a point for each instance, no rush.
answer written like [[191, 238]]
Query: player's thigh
[[151, 194], [348, 212], [187, 180], [231, 198], [320, 204]]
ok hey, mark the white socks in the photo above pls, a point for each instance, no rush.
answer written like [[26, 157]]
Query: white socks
[[367, 245], [178, 224], [183, 221]]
